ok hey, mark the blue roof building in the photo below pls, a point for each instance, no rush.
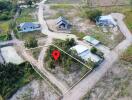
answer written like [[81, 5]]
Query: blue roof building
[[63, 24]]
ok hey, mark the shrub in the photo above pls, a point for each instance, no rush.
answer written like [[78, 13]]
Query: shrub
[[4, 17], [97, 52], [93, 50], [93, 14], [31, 42]]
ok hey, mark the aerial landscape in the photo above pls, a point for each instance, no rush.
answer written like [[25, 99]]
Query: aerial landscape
[[65, 49]]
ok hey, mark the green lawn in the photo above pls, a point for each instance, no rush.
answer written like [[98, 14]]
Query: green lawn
[[26, 15]]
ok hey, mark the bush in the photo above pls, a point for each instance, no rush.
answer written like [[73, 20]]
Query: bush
[[97, 52], [93, 50], [31, 42], [4, 17], [93, 14]]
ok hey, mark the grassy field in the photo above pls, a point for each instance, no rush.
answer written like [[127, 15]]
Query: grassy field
[[26, 15]]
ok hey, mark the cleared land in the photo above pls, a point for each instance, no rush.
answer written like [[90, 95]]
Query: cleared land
[[116, 84]]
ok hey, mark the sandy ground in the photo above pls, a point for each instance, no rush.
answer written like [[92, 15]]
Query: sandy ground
[[35, 90], [115, 85]]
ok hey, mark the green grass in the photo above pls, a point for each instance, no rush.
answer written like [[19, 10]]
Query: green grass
[[36, 34], [80, 35], [26, 16], [128, 19], [4, 26], [61, 6]]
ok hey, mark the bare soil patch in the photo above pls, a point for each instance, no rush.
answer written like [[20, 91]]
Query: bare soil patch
[[115, 85], [35, 90]]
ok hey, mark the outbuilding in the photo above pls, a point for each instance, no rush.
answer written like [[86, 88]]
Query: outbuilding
[[91, 40]]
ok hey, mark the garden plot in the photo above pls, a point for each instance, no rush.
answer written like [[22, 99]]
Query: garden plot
[[10, 55]]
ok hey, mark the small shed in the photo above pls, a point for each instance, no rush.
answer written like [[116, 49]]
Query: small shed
[[63, 24], [91, 40]]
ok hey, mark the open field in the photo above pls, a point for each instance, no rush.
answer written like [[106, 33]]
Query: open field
[[117, 83], [92, 2]]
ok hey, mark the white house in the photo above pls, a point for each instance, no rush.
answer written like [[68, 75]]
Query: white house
[[85, 53], [106, 20], [62, 23], [29, 26]]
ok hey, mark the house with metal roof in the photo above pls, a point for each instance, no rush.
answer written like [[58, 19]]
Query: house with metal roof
[[85, 53], [29, 26], [63, 24], [106, 20], [91, 40]]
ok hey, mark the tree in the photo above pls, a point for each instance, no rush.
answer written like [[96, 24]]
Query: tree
[[93, 50], [93, 14], [29, 3], [12, 24], [31, 42]]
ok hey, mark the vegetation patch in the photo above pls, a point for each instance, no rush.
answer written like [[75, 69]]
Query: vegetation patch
[[128, 19], [26, 15], [109, 39], [66, 68], [127, 55], [80, 35], [13, 77], [7, 10], [61, 6]]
